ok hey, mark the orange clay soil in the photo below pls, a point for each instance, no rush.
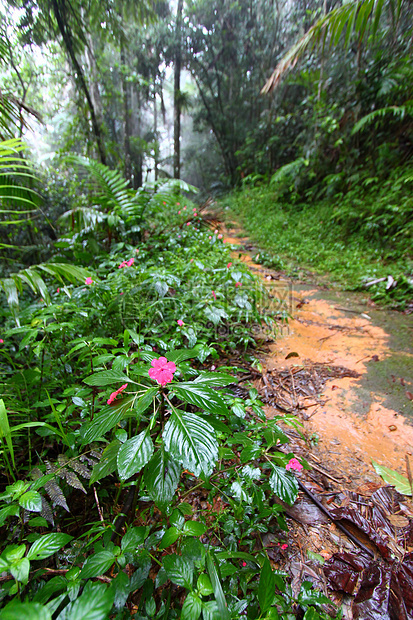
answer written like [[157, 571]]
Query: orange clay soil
[[353, 426]]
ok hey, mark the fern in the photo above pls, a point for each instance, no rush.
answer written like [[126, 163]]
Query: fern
[[378, 115]]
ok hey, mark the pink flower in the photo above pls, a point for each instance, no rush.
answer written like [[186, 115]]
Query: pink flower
[[180, 322], [164, 202], [188, 223], [162, 370], [283, 547], [294, 464], [58, 290], [130, 262], [114, 394], [178, 204], [121, 293], [244, 564], [229, 265], [192, 260], [193, 208], [209, 237], [219, 236], [237, 284], [216, 231], [88, 281], [195, 214], [185, 208], [179, 213], [1, 340], [123, 264], [214, 295], [137, 250]]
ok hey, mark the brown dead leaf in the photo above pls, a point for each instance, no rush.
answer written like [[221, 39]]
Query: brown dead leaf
[[409, 395], [398, 520]]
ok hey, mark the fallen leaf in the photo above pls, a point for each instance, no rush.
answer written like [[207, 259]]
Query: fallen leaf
[[409, 395], [398, 521], [292, 354]]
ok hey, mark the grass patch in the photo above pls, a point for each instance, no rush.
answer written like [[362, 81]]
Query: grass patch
[[309, 236]]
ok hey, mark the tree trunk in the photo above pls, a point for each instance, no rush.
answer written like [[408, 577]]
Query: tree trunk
[[126, 115], [67, 40], [177, 92]]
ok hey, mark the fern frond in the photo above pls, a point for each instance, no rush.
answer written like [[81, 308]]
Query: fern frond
[[377, 115]]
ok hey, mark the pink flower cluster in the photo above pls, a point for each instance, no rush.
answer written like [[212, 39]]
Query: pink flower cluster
[[162, 371], [126, 263], [114, 394], [294, 464]]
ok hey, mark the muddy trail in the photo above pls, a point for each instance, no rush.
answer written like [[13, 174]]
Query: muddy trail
[[345, 369]]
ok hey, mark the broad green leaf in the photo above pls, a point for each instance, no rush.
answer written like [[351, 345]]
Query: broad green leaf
[[134, 537], [179, 570], [309, 596], [194, 528], [46, 545], [108, 377], [180, 355], [266, 587], [12, 553], [26, 611], [106, 419], [8, 511], [390, 476], [201, 396], [191, 440], [134, 454], [5, 430], [169, 538], [94, 603], [31, 500], [203, 585], [161, 478], [214, 379], [97, 564], [107, 463], [284, 484], [20, 570], [216, 584], [145, 401], [191, 609]]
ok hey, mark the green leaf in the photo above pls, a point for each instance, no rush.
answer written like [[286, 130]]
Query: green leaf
[[5, 430], [134, 537], [201, 396], [266, 587], [95, 603], [171, 535], [145, 401], [161, 478], [390, 476], [12, 553], [203, 585], [107, 463], [194, 528], [106, 419], [214, 379], [180, 355], [20, 570], [191, 609], [134, 454], [179, 570], [216, 584], [284, 484], [108, 377], [46, 545], [31, 500], [26, 611], [191, 440], [7, 511], [97, 564]]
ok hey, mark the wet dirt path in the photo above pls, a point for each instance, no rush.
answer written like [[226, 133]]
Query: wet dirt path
[[360, 418]]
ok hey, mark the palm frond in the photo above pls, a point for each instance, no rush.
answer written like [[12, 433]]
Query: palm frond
[[357, 17]]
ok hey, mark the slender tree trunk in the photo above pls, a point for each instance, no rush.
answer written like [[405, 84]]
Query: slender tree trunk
[[177, 92], [155, 131], [68, 42], [126, 115]]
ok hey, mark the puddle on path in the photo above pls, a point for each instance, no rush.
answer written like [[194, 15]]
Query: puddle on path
[[364, 418]]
